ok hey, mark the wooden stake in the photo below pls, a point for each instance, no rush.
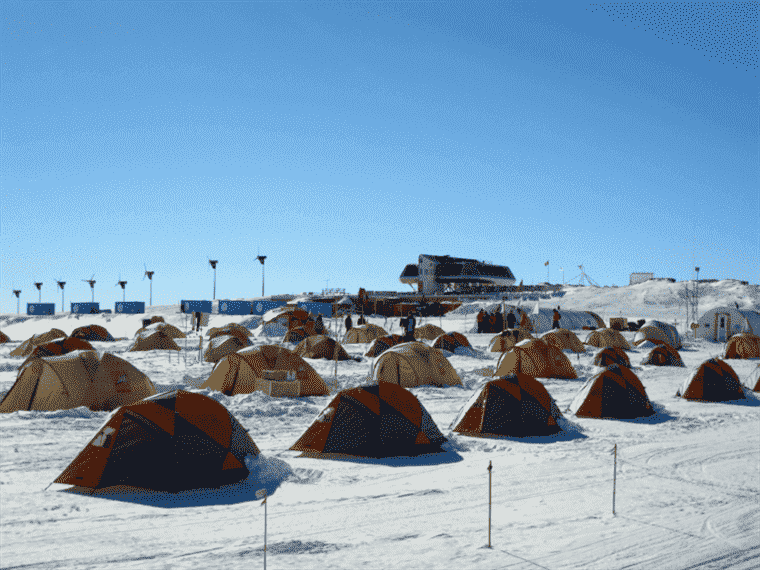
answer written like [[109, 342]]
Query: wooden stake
[[614, 481], [489, 503]]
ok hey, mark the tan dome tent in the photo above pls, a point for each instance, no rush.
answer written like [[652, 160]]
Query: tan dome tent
[[516, 405], [4, 338], [616, 392], [26, 347], [663, 355], [153, 340], [535, 358], [607, 337], [168, 330], [721, 323], [384, 420], [156, 319], [744, 345], [618, 323], [92, 333], [231, 329], [505, 341], [58, 348], [243, 372], [76, 379], [173, 442], [380, 345], [612, 355], [428, 332], [221, 346], [564, 340], [714, 381], [451, 341], [667, 334], [364, 333], [414, 364], [321, 346]]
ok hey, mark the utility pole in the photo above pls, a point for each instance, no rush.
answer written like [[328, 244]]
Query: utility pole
[[261, 258], [39, 288], [213, 263]]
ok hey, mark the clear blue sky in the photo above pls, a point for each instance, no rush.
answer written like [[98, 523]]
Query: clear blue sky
[[344, 139]]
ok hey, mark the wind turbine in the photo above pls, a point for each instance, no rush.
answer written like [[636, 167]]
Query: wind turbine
[[123, 285], [17, 292], [39, 288], [91, 281], [261, 258], [149, 275], [213, 263], [61, 284]]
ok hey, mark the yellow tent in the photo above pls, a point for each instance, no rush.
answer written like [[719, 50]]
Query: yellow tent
[[414, 364], [535, 358]]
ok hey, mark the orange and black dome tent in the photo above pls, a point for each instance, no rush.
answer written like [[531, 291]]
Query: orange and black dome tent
[[713, 381], [383, 420], [612, 355], [745, 345], [169, 442], [616, 392], [663, 355], [380, 345], [92, 332], [515, 405], [451, 341]]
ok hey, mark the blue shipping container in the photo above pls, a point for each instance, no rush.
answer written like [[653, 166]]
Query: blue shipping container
[[234, 307], [85, 308], [40, 308], [324, 308], [261, 307], [129, 307], [196, 306]]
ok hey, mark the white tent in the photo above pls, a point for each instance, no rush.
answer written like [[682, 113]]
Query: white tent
[[720, 323]]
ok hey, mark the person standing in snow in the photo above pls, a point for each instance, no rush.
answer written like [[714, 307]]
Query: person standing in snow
[[556, 318], [319, 326], [349, 323], [480, 317], [511, 320]]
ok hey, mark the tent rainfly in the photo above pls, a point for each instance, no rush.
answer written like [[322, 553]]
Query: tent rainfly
[[713, 381], [616, 392], [612, 355], [607, 337], [564, 339], [744, 345], [663, 355], [504, 341], [415, 364], [26, 347], [537, 359]]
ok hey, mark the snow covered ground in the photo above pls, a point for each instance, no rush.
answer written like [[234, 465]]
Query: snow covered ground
[[688, 480]]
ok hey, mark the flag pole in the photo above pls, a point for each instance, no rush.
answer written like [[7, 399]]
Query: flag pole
[[614, 481], [489, 503]]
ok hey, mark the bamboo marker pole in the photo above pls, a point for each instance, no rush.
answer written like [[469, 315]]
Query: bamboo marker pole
[[489, 503], [614, 481]]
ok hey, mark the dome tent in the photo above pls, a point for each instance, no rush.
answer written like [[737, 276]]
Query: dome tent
[[744, 345], [670, 333], [414, 364], [380, 345], [713, 381], [172, 441], [505, 341], [221, 346], [451, 341], [321, 346], [153, 339], [428, 332], [4, 338], [364, 333], [537, 359], [515, 405], [76, 379], [564, 339], [612, 355], [26, 347], [607, 337], [92, 333], [231, 329], [720, 323], [616, 392], [663, 355], [58, 348], [170, 331], [384, 420], [242, 372]]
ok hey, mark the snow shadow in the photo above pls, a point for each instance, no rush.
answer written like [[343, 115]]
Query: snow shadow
[[660, 415], [265, 473], [448, 455], [569, 432]]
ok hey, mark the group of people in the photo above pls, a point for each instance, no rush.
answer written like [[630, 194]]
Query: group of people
[[493, 321]]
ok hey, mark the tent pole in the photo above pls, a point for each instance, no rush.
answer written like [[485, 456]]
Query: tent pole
[[489, 503]]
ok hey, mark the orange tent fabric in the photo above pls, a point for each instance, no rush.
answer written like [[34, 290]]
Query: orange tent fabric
[[515, 405], [92, 332], [221, 346], [380, 345], [26, 347], [713, 381], [383, 420], [564, 340], [663, 355], [537, 359], [607, 337], [242, 372], [173, 441], [525, 323], [231, 329], [4, 338], [321, 346], [612, 355], [616, 392], [746, 345], [156, 319], [451, 341], [504, 341]]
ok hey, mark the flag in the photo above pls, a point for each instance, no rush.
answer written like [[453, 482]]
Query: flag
[[547, 263], [263, 502]]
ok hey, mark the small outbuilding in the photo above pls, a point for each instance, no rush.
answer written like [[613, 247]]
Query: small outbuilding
[[721, 323]]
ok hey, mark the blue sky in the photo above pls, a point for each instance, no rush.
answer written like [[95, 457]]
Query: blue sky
[[344, 139]]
